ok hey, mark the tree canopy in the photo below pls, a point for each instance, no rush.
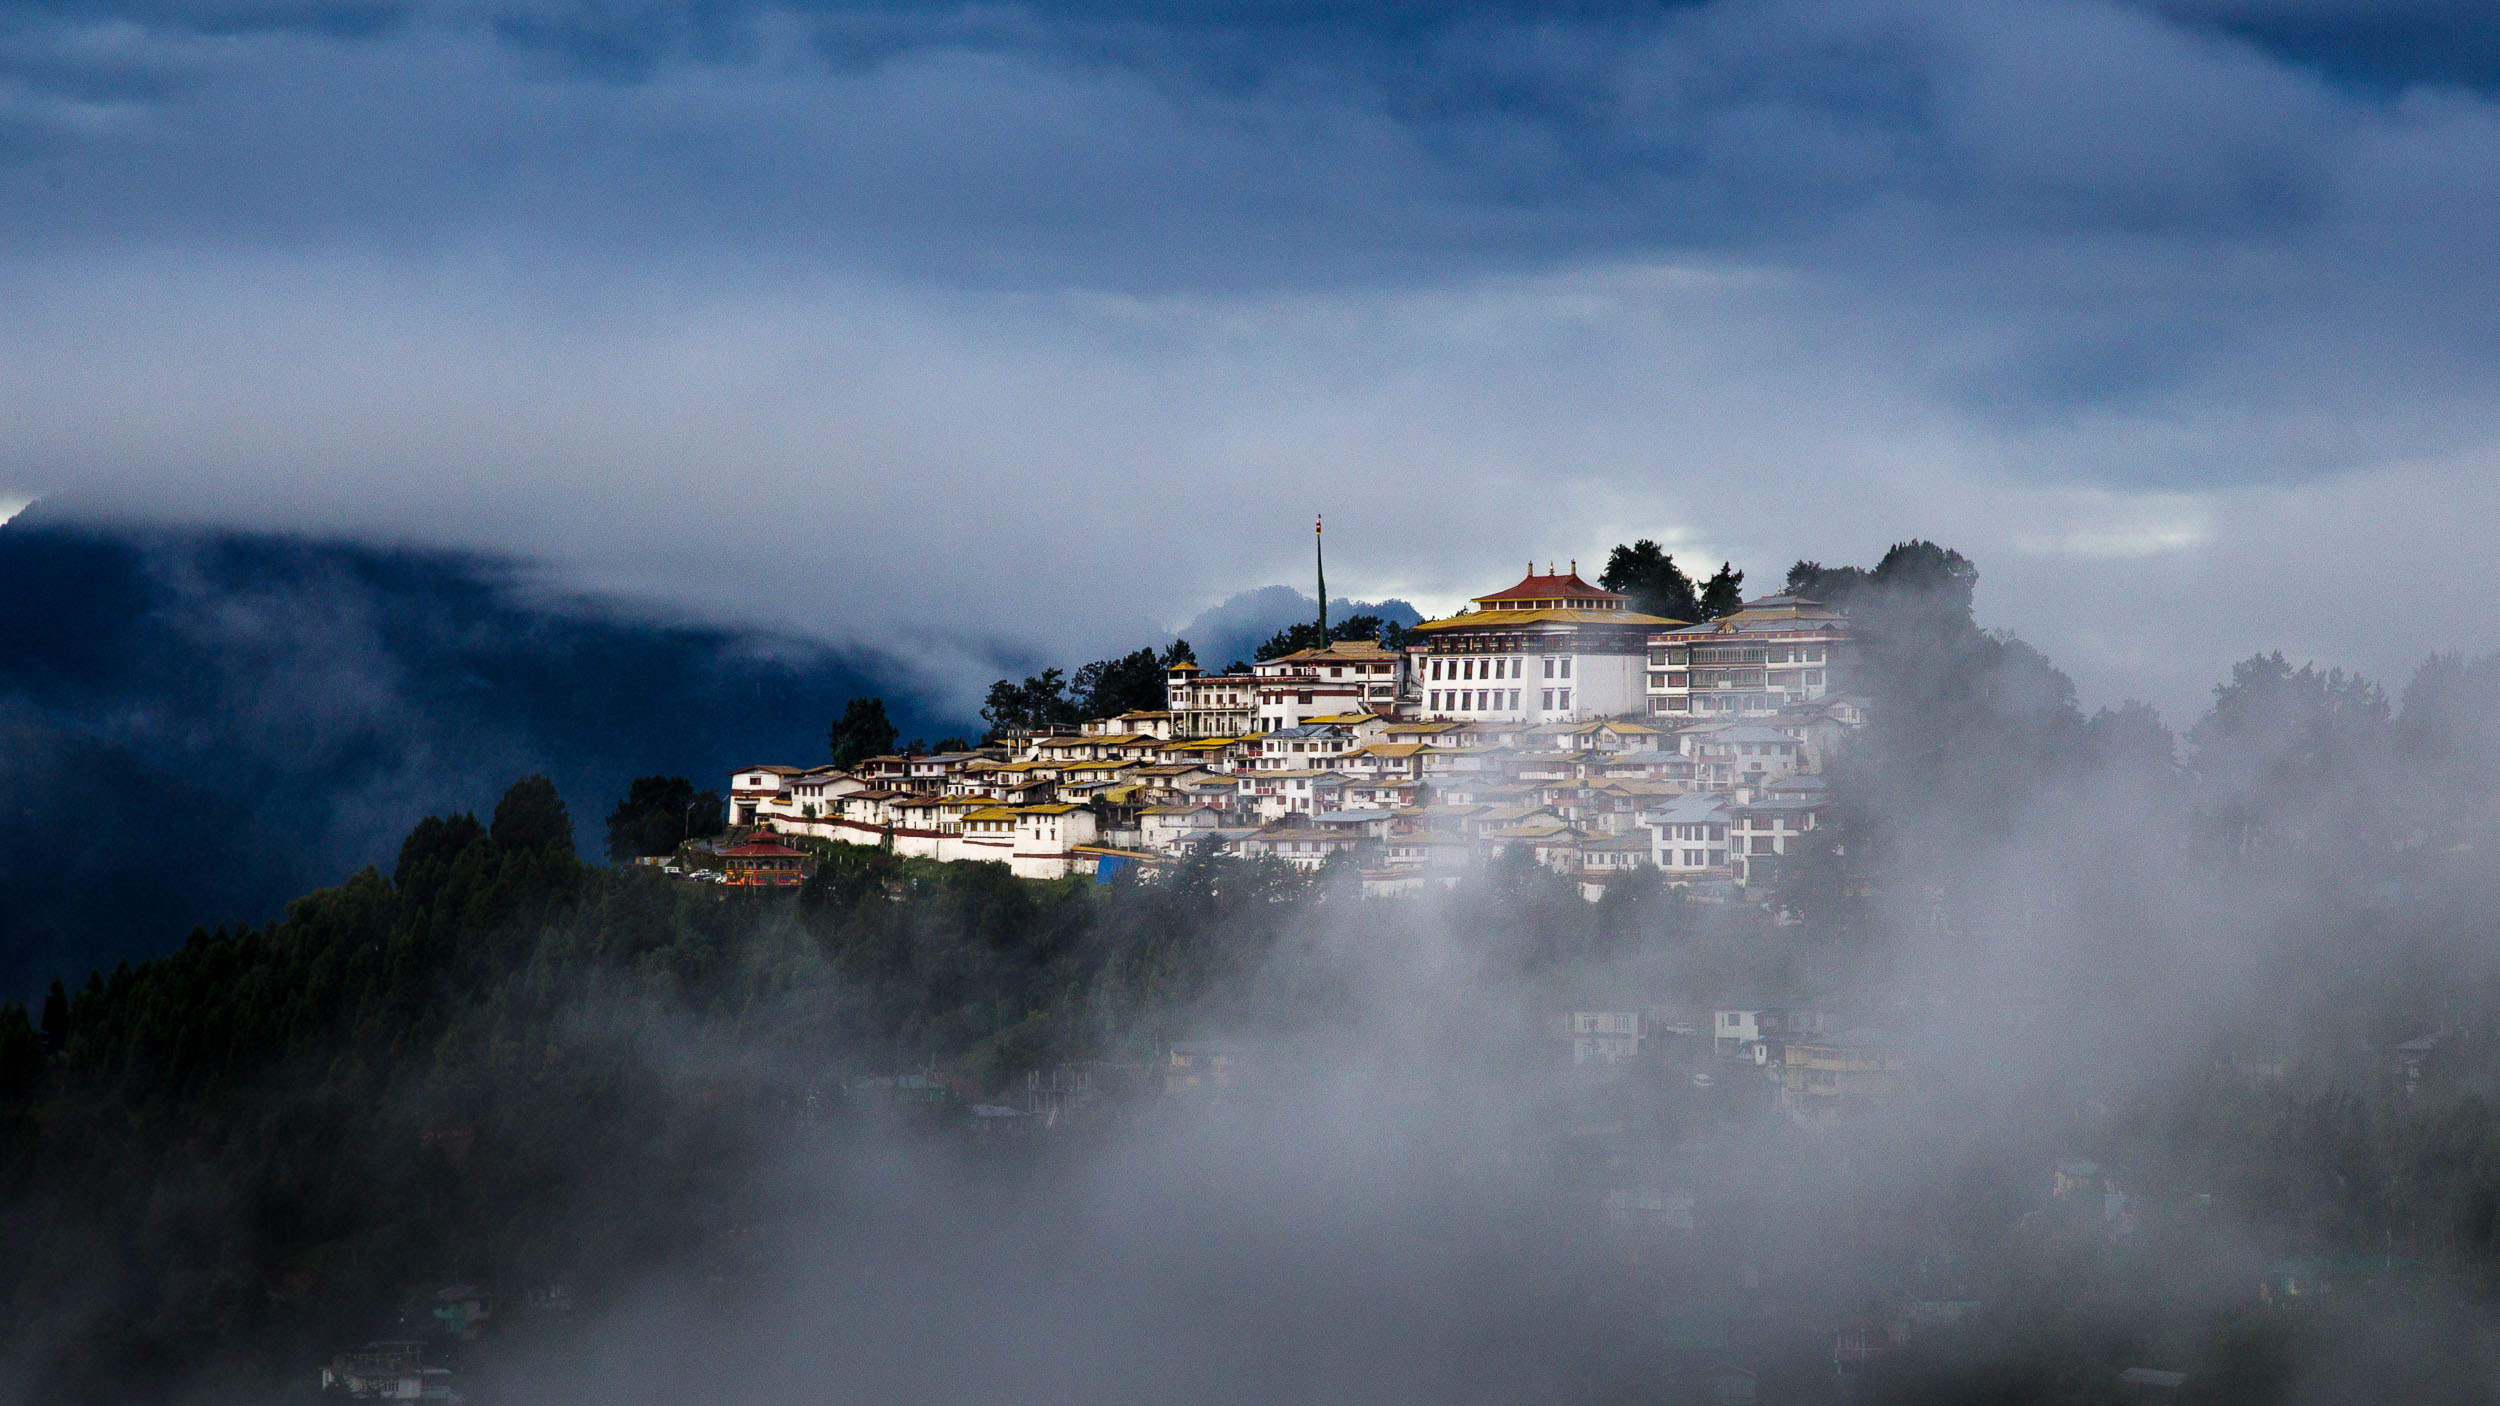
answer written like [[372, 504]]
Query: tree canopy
[[1295, 638], [658, 814], [1105, 688], [1645, 572], [531, 818], [863, 731]]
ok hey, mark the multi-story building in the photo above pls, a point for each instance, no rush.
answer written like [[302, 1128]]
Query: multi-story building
[[1689, 836], [1551, 649], [1769, 823], [1841, 1079], [756, 791], [1603, 1037], [1377, 673], [1209, 705], [1774, 652], [1741, 754], [1309, 745]]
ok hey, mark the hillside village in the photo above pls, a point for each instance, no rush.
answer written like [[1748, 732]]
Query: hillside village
[[1549, 718]]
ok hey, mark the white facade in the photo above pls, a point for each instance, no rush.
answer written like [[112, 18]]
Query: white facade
[[1209, 705], [1689, 836], [1775, 652], [1551, 649], [1603, 1037], [754, 792], [1045, 835]]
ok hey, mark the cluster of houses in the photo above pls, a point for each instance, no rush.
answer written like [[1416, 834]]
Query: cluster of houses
[[1550, 718]]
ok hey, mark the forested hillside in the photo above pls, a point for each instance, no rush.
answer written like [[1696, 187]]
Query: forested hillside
[[257, 715], [2249, 982]]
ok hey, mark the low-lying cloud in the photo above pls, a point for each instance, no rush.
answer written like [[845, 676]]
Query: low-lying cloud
[[871, 321]]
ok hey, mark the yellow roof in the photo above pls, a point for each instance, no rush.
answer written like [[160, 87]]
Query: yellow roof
[[1058, 808], [992, 813], [1511, 619], [1339, 651]]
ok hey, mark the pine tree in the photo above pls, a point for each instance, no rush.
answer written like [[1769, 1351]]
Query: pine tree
[[531, 819], [1645, 572], [1723, 594], [55, 1018], [863, 731]]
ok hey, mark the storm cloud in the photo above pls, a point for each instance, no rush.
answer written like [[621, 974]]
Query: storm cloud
[[1055, 321]]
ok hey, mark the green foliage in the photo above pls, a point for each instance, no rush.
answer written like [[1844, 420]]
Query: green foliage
[[531, 819], [863, 731], [1132, 682], [1724, 593], [1834, 586], [21, 1053], [1645, 572], [1040, 702], [1909, 570], [1293, 639], [1104, 688], [55, 1017], [2290, 753], [658, 814]]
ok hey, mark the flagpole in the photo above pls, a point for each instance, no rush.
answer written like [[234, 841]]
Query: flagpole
[[1320, 558]]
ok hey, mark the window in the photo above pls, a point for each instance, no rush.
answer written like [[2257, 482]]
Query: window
[[1562, 699], [1549, 668], [1436, 700], [1548, 704], [1514, 699]]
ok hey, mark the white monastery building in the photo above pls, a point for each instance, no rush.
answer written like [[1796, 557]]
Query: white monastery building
[[1551, 649], [1774, 652]]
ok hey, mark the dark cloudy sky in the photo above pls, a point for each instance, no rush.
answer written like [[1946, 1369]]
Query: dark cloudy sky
[[1059, 321]]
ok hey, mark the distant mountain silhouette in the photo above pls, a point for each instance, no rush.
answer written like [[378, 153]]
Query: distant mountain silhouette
[[196, 726], [1236, 628]]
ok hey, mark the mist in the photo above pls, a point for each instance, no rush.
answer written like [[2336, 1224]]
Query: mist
[[2161, 1004]]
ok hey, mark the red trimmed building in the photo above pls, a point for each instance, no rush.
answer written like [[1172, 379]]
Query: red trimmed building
[[1552, 648]]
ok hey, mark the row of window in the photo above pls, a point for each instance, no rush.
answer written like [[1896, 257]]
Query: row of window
[[1556, 667], [1715, 703], [1469, 700], [1738, 654], [1735, 678]]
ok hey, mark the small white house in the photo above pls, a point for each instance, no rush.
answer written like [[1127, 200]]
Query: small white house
[[1171, 829], [1045, 835]]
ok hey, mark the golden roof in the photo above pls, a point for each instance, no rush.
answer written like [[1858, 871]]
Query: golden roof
[[1512, 619]]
